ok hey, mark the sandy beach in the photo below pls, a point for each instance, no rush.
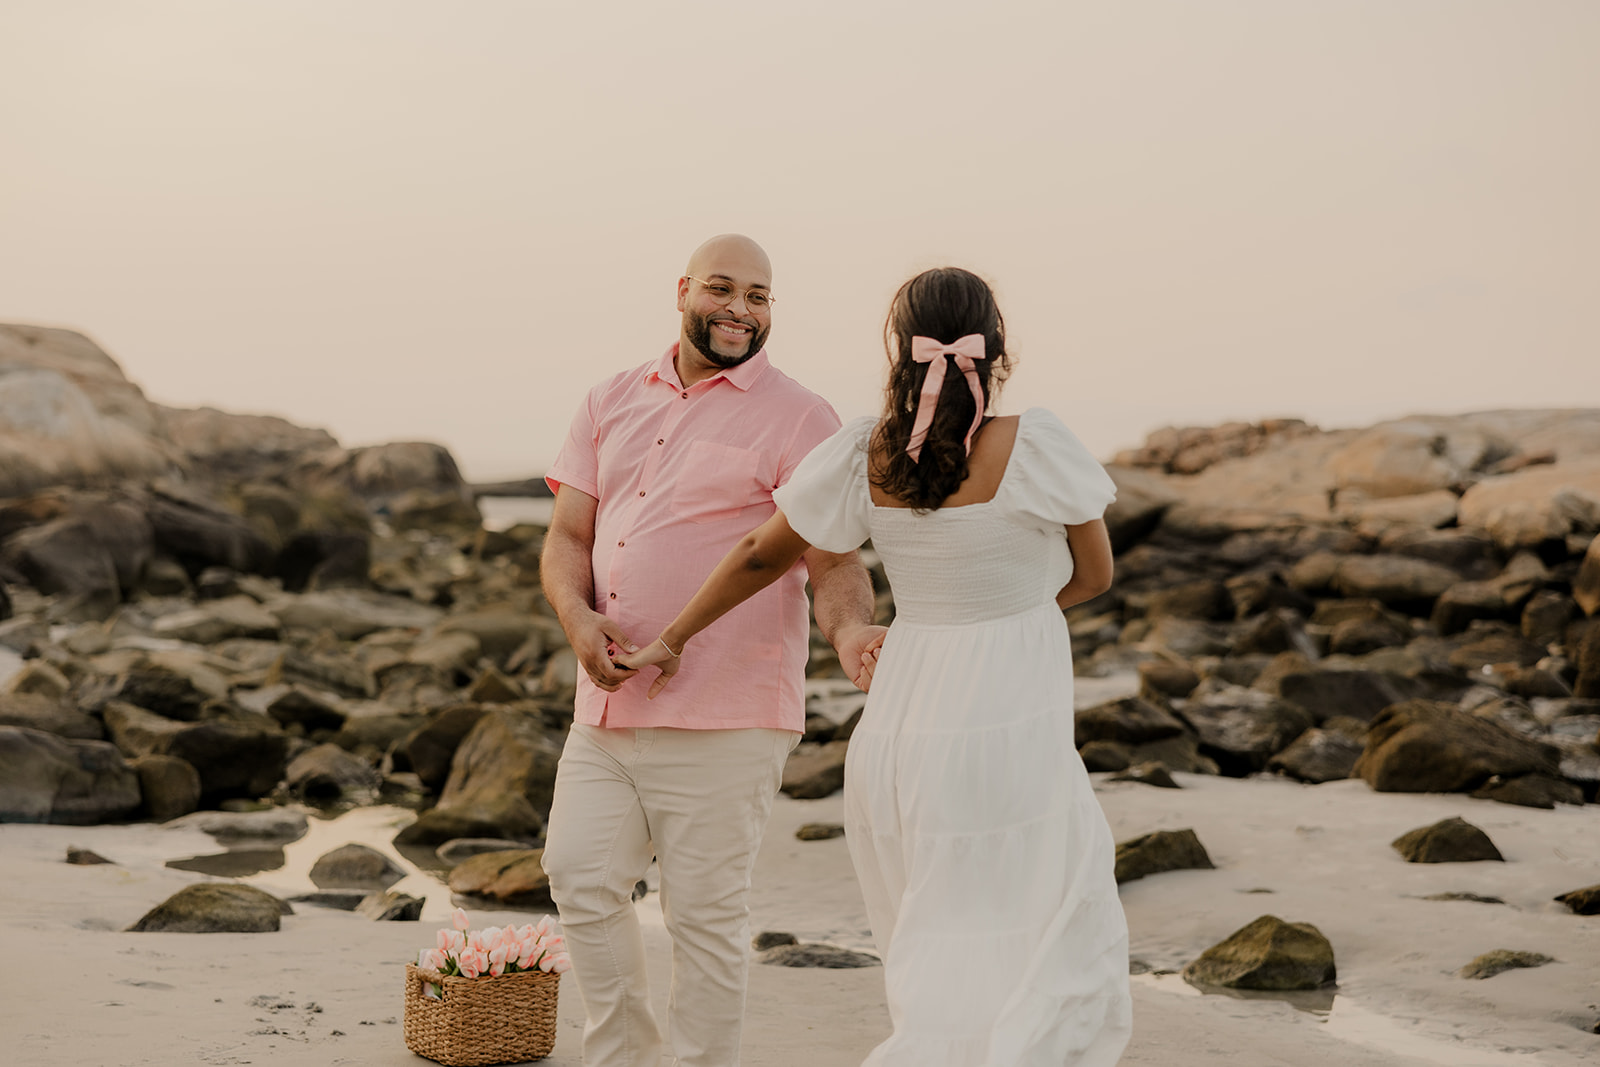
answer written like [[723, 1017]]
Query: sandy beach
[[326, 989]]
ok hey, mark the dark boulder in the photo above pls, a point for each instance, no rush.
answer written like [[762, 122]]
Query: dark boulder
[[1267, 954], [355, 866], [1452, 840], [171, 786], [215, 908], [1158, 851], [1242, 735], [50, 779], [1422, 746], [814, 772], [1530, 791], [326, 774], [38, 712], [1359, 694], [1585, 901], [1500, 960], [1318, 756], [1132, 720]]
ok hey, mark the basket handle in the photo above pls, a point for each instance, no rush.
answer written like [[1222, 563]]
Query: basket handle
[[427, 977]]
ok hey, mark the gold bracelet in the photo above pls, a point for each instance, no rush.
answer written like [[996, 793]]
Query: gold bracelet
[[674, 655]]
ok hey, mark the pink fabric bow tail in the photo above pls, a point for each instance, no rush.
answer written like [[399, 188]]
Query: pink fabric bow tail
[[927, 350]]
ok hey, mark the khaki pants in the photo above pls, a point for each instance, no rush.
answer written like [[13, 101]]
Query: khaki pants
[[698, 801]]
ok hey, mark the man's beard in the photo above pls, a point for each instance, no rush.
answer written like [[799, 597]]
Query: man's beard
[[699, 333]]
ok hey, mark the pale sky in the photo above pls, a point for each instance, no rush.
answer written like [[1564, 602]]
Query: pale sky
[[418, 219]]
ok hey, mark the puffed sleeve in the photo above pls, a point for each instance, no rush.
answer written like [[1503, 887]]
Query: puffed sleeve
[[1051, 479], [827, 501]]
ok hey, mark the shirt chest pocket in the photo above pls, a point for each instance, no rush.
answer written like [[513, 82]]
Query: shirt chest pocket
[[718, 482]]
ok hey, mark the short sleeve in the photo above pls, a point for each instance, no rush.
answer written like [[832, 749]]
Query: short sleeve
[[1051, 479], [826, 501], [818, 423], [578, 462]]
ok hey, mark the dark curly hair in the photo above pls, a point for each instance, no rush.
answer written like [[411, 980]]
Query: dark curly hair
[[946, 304]]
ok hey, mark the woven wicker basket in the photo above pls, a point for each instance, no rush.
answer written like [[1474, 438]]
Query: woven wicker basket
[[509, 1019]]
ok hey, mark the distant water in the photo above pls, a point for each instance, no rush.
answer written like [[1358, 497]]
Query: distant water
[[500, 512]]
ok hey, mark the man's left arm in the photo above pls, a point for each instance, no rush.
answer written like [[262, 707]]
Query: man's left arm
[[841, 592]]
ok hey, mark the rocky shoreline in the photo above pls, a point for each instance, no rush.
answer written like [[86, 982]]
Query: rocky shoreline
[[204, 611]]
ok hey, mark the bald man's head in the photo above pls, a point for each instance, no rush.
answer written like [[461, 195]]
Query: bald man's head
[[722, 327], [731, 249]]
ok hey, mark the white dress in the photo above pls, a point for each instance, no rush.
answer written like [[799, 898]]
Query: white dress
[[984, 857]]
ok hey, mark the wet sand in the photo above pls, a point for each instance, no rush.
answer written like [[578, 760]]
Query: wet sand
[[326, 989]]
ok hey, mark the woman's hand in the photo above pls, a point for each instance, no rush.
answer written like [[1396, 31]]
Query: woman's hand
[[652, 655]]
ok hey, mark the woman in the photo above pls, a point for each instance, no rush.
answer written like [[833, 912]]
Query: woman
[[985, 860]]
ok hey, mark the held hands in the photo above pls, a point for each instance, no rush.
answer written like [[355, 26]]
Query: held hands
[[593, 642], [858, 652], [655, 654], [857, 648]]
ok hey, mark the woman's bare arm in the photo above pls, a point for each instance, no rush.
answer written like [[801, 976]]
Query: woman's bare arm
[[1092, 563]]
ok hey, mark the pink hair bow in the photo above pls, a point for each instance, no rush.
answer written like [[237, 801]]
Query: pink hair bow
[[927, 350]]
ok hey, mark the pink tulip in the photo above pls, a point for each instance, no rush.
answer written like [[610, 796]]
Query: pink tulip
[[472, 963], [459, 920], [561, 965], [546, 924]]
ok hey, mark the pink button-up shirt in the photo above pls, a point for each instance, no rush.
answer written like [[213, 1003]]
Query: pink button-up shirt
[[681, 474]]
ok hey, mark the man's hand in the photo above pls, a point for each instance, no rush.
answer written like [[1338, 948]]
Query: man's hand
[[857, 647], [591, 639]]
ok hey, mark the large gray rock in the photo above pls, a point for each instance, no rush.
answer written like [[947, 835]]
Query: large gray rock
[[1267, 954], [68, 415], [45, 778], [215, 908], [1408, 457], [355, 866], [1242, 734], [1422, 746], [92, 549], [1538, 504], [38, 712], [234, 758]]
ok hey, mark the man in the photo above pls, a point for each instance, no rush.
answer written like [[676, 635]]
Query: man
[[665, 468]]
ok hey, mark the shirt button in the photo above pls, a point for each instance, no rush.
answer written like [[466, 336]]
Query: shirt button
[[619, 544], [661, 440], [684, 395], [641, 492], [613, 596]]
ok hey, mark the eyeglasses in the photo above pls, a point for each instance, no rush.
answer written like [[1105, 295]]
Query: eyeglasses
[[724, 294]]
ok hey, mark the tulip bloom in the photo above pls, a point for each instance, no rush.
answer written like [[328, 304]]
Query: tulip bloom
[[459, 919]]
